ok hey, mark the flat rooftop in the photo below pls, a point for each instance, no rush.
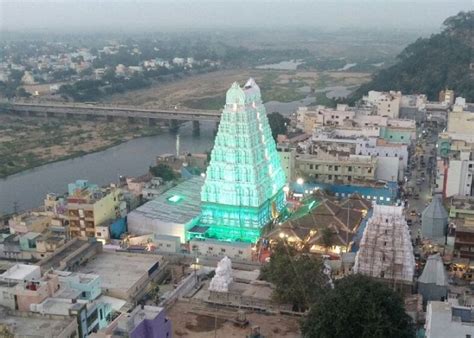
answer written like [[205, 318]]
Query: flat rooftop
[[20, 271], [33, 325], [119, 271], [179, 204]]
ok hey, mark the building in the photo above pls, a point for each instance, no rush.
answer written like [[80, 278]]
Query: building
[[172, 213], [287, 159], [154, 242], [21, 272], [336, 167], [70, 255], [446, 96], [460, 121], [143, 321], [459, 176], [392, 158], [243, 188], [322, 224], [17, 324], [386, 103], [385, 250], [88, 206], [124, 275], [29, 222], [444, 319], [434, 220], [433, 282], [213, 248]]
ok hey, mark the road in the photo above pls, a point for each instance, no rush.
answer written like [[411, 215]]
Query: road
[[427, 177]]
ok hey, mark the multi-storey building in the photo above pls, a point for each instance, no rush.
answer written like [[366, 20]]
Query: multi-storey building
[[89, 206], [344, 168], [386, 103]]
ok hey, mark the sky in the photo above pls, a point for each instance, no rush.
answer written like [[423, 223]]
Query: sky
[[123, 15]]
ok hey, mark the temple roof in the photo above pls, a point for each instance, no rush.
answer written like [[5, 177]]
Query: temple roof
[[434, 272], [435, 209]]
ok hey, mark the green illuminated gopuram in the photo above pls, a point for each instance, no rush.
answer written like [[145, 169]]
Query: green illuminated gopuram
[[244, 182]]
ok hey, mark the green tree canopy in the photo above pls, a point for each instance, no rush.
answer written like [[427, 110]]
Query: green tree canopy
[[358, 306], [278, 124], [430, 65], [164, 171], [298, 278]]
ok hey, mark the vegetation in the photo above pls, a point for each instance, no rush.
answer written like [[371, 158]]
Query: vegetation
[[29, 142], [298, 279], [433, 64], [164, 171], [278, 124], [358, 306]]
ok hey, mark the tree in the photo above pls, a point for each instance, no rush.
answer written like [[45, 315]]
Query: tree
[[358, 306], [327, 237], [164, 171], [278, 124], [298, 278], [432, 64]]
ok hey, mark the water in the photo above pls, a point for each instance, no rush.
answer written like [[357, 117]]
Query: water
[[347, 66], [132, 158], [284, 65]]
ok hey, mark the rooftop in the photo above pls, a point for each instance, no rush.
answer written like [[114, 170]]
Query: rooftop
[[33, 325], [119, 271], [177, 205], [21, 271]]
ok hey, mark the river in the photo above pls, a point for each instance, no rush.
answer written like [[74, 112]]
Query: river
[[28, 188]]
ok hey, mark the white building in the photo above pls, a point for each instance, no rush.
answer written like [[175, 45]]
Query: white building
[[21, 272], [446, 320], [287, 159], [386, 103], [172, 213], [392, 158], [214, 248], [460, 174]]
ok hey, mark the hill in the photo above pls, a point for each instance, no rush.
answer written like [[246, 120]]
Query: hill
[[444, 60]]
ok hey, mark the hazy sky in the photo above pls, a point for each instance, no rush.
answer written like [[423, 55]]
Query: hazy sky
[[123, 15]]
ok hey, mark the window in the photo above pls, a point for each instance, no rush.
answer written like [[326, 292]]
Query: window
[[336, 167], [311, 166], [241, 252], [168, 245], [222, 250], [99, 234], [349, 168], [211, 248]]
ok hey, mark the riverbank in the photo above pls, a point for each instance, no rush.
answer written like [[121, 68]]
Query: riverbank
[[26, 143]]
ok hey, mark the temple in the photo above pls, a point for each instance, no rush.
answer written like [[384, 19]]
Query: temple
[[244, 183]]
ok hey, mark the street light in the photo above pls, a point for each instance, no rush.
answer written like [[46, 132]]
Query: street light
[[299, 181]]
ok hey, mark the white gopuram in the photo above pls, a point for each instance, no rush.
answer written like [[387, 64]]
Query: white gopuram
[[223, 277]]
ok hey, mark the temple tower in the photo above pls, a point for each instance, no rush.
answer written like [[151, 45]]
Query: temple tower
[[244, 183]]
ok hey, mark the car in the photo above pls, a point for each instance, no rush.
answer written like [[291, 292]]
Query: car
[[409, 222], [413, 212], [416, 196]]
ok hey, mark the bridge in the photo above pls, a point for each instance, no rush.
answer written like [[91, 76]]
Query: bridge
[[110, 112]]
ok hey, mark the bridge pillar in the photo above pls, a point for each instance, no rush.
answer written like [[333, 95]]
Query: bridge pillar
[[152, 122], [131, 119], [196, 128], [49, 114], [110, 118], [90, 117], [173, 125], [216, 128]]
